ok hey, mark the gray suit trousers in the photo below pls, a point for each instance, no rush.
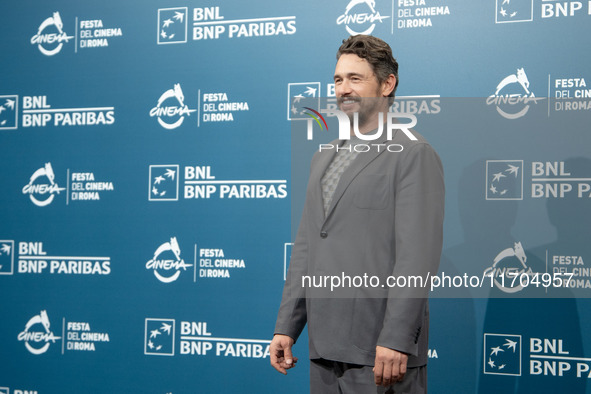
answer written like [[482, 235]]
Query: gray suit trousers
[[327, 377]]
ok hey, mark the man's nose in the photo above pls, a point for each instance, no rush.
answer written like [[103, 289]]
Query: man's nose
[[343, 88]]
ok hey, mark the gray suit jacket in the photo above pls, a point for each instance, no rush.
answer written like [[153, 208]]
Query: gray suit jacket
[[386, 218]]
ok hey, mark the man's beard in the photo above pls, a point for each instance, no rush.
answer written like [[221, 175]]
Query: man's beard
[[368, 109]]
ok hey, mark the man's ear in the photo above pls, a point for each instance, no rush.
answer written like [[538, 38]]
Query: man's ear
[[388, 85]]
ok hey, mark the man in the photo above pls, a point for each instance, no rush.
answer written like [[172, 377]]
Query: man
[[382, 216]]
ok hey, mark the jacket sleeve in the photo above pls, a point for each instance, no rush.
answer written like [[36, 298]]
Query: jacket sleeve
[[418, 237], [292, 316]]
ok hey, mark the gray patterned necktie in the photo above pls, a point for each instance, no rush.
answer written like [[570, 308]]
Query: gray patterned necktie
[[337, 167]]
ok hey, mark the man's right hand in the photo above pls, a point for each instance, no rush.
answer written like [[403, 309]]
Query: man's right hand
[[281, 357]]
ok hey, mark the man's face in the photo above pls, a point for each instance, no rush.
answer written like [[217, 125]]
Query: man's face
[[355, 79]]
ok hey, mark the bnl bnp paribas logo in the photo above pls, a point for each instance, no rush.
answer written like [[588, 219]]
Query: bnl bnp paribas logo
[[361, 17], [51, 37], [37, 335], [172, 25], [8, 112], [171, 110], [42, 187], [513, 97], [502, 354], [195, 339], [159, 337], [6, 257], [510, 11], [504, 180], [298, 91], [163, 182], [211, 23]]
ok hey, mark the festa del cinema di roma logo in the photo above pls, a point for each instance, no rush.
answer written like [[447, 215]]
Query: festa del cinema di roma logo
[[42, 193], [509, 263], [512, 97], [167, 258], [358, 20], [50, 37], [37, 334], [171, 108]]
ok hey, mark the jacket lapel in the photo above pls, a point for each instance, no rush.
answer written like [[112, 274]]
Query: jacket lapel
[[358, 164], [319, 169]]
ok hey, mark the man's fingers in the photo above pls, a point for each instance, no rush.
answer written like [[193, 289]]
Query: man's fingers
[[288, 366], [276, 362], [276, 354], [389, 376], [281, 356], [288, 357], [378, 373], [390, 366], [403, 364], [278, 367]]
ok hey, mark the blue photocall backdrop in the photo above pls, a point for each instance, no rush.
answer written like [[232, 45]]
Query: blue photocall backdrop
[[147, 186]]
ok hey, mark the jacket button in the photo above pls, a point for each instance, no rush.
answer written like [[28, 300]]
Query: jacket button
[[323, 234]]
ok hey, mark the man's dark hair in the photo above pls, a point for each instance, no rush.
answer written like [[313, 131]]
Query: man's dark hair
[[377, 53]]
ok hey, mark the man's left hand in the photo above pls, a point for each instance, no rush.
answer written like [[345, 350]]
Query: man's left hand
[[390, 366]]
